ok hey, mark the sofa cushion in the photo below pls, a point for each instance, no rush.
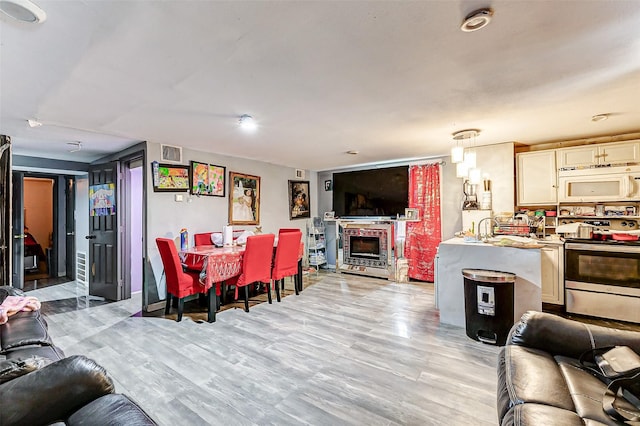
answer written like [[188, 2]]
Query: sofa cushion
[[538, 414], [112, 410], [12, 368], [562, 336], [24, 328], [587, 391], [52, 352], [53, 392], [531, 375]]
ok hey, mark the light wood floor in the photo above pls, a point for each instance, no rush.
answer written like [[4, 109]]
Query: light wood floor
[[349, 350]]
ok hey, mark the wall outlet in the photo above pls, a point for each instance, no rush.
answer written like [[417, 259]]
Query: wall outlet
[[179, 198]]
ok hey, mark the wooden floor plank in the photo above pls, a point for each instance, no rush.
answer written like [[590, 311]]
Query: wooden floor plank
[[349, 350]]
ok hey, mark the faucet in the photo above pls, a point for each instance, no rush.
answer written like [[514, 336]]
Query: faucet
[[487, 234]]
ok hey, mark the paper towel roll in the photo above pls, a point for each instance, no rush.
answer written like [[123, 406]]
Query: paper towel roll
[[227, 235]]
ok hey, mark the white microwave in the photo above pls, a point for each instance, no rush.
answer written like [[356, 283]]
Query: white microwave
[[599, 187]]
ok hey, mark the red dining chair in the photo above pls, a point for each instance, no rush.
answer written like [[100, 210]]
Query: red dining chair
[[181, 284], [285, 263], [297, 278], [203, 239], [256, 265]]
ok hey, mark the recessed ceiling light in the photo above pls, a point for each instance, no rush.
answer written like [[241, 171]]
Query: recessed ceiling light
[[600, 117], [352, 152], [23, 10], [476, 20], [247, 123]]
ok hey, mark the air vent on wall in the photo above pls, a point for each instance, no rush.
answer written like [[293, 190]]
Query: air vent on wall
[[171, 154], [81, 268]]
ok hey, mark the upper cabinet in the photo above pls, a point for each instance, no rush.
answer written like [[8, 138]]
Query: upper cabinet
[[601, 154], [537, 176]]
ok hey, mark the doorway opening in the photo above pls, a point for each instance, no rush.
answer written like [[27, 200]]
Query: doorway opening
[[134, 234], [43, 229], [38, 228]]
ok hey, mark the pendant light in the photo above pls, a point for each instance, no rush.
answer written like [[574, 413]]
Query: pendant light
[[462, 171], [467, 166]]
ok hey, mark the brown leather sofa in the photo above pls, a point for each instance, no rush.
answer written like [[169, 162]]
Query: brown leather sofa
[[39, 386], [541, 382]]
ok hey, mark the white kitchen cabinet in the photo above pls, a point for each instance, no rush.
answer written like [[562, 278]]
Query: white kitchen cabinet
[[599, 154], [537, 178], [552, 274]]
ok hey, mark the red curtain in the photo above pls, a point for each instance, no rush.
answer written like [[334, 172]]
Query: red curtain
[[423, 237]]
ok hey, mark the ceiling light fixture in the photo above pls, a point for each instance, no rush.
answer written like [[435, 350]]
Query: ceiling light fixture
[[23, 10], [600, 117], [465, 159], [247, 123], [476, 20], [34, 123]]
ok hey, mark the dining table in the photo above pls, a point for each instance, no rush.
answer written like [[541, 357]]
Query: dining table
[[222, 263]]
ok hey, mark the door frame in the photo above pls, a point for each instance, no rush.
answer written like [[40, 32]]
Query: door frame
[[6, 212], [134, 160]]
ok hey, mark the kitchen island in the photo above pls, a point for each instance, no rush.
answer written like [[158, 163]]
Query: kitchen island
[[455, 254]]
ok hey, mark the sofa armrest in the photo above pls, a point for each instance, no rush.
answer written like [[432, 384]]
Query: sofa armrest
[[561, 336], [53, 392], [116, 409]]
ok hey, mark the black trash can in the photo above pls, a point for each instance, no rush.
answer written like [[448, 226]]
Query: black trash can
[[488, 305]]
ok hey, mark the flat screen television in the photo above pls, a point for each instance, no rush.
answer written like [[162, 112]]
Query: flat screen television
[[382, 192]]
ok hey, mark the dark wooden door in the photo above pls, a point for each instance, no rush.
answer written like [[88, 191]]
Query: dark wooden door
[[70, 226], [103, 231], [17, 273]]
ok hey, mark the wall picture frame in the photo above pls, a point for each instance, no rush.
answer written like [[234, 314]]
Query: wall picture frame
[[170, 177], [328, 185], [244, 199], [207, 179], [412, 214], [299, 199]]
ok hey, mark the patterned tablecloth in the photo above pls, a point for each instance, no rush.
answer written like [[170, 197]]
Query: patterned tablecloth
[[218, 263]]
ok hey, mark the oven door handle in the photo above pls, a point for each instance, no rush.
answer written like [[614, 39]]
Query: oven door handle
[[603, 247]]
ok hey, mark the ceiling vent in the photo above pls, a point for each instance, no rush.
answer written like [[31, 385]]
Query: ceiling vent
[[171, 154]]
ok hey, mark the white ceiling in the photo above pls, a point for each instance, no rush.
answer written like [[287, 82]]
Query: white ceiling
[[390, 79]]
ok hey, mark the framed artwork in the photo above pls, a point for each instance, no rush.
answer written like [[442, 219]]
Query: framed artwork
[[244, 199], [170, 177], [327, 185], [299, 199], [207, 179], [412, 214]]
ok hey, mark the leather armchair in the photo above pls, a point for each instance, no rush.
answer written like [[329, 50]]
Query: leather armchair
[[541, 382]]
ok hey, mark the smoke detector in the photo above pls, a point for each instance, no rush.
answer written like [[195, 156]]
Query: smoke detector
[[476, 20], [75, 146]]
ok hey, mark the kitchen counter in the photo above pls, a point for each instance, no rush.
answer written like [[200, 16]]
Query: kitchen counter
[[455, 254]]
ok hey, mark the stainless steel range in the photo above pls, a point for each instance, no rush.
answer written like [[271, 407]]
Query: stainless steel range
[[602, 276]]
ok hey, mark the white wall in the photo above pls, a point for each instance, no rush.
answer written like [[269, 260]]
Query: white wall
[[165, 216]]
